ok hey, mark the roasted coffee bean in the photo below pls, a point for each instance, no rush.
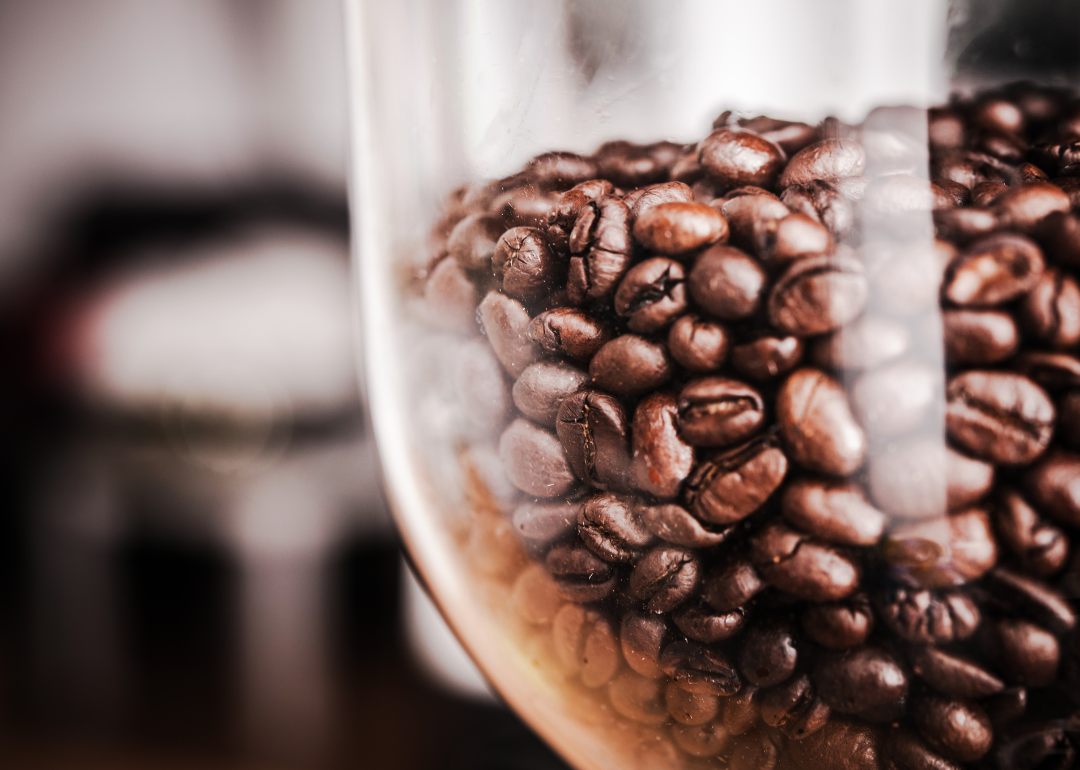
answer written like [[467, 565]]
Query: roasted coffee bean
[[739, 712], [524, 205], [956, 169], [860, 680], [1059, 233], [690, 708], [534, 461], [960, 730], [542, 387], [638, 698], [715, 411], [744, 212], [541, 524], [505, 322], [953, 675], [472, 241], [1027, 173], [666, 192], [1050, 312], [817, 426], [945, 551], [779, 242], [1000, 417], [979, 337], [1022, 208], [661, 458], [586, 644], [738, 158], [529, 269], [768, 654], [823, 203], [817, 294], [993, 270], [1068, 425], [728, 487], [790, 136], [1022, 651], [726, 283], [1052, 485], [600, 248], [950, 192], [801, 566], [839, 625], [794, 707], [630, 365], [593, 429], [675, 229], [631, 165], [896, 397], [1040, 547], [827, 160], [767, 357], [699, 669], [839, 745], [928, 617], [1032, 598], [1006, 707], [905, 750], [579, 574], [964, 225], [557, 170], [652, 295], [450, 297], [1052, 371], [836, 511], [863, 344], [756, 751], [567, 207], [611, 528], [568, 332], [705, 625], [707, 740], [642, 637], [665, 577], [1039, 746], [698, 345], [984, 194], [732, 585], [674, 524]]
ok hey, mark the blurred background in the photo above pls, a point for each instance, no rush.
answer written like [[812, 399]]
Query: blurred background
[[197, 567]]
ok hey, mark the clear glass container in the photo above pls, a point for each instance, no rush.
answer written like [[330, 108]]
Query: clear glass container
[[774, 465]]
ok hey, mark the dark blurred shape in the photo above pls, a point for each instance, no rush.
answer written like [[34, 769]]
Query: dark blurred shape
[[1030, 38]]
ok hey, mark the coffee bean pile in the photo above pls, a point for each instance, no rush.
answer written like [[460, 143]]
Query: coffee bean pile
[[795, 430]]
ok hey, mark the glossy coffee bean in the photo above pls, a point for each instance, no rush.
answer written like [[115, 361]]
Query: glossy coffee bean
[[960, 730], [698, 345], [652, 295], [985, 194], [1040, 547], [928, 617], [726, 283], [642, 636], [1022, 208], [594, 432], [715, 411], [1053, 485], [952, 675], [534, 461], [1059, 234], [963, 225], [729, 486], [524, 205], [1031, 598], [816, 424], [999, 417], [472, 241], [541, 524], [949, 192], [662, 459], [739, 712], [528, 267], [827, 160], [505, 323], [839, 625], [600, 249], [767, 357], [823, 203], [559, 170], [630, 365], [779, 242], [1024, 653], [801, 566], [860, 680], [732, 585], [703, 624], [665, 577], [836, 511], [790, 136], [738, 158], [979, 337], [568, 332], [944, 551], [744, 212], [631, 165], [794, 708], [699, 669], [567, 207], [993, 270], [580, 575], [665, 192], [1053, 371], [839, 745], [1050, 312], [768, 654], [674, 524], [542, 387], [1045, 746], [817, 295], [611, 528], [675, 229]]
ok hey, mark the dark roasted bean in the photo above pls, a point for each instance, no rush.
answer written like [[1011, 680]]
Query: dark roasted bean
[[690, 708], [611, 528], [1068, 426], [534, 460], [839, 625], [600, 248], [727, 283], [767, 357], [665, 577], [542, 387], [954, 193], [529, 269], [960, 730], [732, 586], [524, 206], [472, 241], [642, 637], [823, 203], [1049, 370], [1039, 746], [860, 680], [953, 675], [1032, 598], [928, 617], [797, 564], [836, 511], [839, 745], [505, 322], [984, 194], [540, 525], [661, 458], [676, 229], [738, 158], [943, 551], [630, 365], [828, 160], [740, 711], [1040, 547], [568, 332], [1027, 173], [744, 212], [1022, 208], [1006, 707], [594, 432], [652, 295], [699, 669], [768, 654], [698, 345], [715, 411], [817, 294], [790, 136], [567, 207], [1022, 651], [558, 170], [974, 337], [674, 524], [794, 708], [632, 165], [728, 487], [1050, 312], [666, 192], [816, 424], [905, 750], [779, 242], [1000, 417], [580, 575], [1059, 234], [964, 225], [705, 625], [993, 270]]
